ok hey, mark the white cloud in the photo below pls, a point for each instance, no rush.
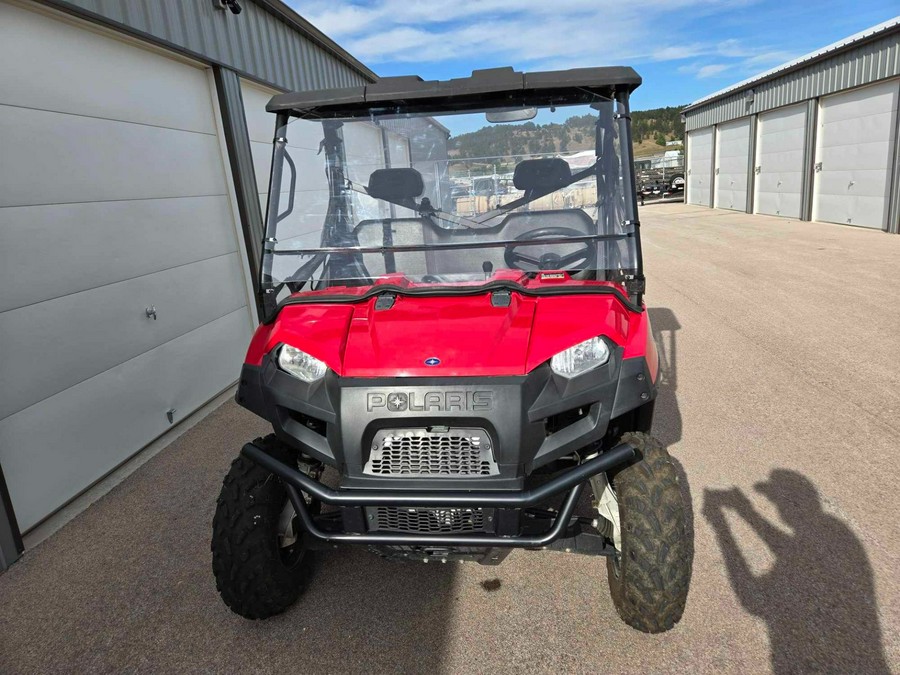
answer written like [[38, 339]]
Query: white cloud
[[711, 70], [525, 33], [766, 59], [542, 34]]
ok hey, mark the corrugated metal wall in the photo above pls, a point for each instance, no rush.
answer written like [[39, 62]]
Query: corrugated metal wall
[[255, 43], [865, 64]]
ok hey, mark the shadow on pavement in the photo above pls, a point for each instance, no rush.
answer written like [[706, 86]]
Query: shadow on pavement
[[667, 425], [818, 598], [667, 417], [369, 614]]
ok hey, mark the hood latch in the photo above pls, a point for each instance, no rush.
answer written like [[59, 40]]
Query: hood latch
[[385, 301], [501, 298]]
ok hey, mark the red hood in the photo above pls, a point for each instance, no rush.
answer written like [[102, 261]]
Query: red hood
[[467, 334]]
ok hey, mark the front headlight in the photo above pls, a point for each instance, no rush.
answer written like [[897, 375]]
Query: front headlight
[[580, 358], [300, 364]]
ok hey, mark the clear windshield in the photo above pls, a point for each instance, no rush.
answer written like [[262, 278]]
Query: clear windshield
[[450, 199]]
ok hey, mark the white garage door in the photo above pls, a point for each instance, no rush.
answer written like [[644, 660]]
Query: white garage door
[[779, 162], [113, 199], [700, 147], [854, 155], [732, 159]]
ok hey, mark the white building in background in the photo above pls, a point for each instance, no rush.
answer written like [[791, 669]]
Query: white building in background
[[813, 139]]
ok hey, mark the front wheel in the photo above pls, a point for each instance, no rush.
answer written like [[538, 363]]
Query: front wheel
[[260, 560], [650, 575]]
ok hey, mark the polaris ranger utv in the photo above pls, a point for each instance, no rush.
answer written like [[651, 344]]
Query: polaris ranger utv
[[463, 367]]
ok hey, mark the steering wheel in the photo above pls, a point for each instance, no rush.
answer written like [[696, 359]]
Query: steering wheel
[[583, 258]]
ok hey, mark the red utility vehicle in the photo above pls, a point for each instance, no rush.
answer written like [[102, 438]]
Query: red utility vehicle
[[463, 366]]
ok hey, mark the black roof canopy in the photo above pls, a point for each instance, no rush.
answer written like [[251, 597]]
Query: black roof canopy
[[484, 89]]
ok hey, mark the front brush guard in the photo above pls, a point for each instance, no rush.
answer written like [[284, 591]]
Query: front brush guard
[[573, 480]]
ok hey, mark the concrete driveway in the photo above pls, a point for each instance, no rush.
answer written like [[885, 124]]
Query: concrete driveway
[[780, 399]]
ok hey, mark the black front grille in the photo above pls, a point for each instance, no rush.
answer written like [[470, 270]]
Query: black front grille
[[423, 452], [426, 520]]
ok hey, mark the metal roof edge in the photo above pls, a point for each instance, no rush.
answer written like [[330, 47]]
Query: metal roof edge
[[293, 19], [868, 35]]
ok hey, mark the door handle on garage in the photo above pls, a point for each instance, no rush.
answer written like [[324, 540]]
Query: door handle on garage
[[151, 312]]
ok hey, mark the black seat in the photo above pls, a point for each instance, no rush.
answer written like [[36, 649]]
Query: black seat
[[542, 175], [396, 185]]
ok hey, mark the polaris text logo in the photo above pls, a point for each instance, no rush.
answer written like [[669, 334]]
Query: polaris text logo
[[438, 401]]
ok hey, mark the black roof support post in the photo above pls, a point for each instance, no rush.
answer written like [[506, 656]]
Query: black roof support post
[[237, 140], [11, 546]]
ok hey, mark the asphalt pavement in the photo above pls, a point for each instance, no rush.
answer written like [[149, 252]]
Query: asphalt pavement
[[780, 400]]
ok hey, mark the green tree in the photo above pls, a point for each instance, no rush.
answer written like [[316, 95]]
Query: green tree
[[660, 138]]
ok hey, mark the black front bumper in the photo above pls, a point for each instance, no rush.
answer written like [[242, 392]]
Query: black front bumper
[[356, 499], [529, 421]]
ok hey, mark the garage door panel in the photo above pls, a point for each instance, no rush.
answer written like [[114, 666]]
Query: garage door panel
[[853, 183], [836, 205], [53, 158], [260, 124], [860, 103], [53, 345], [109, 78], [113, 414], [864, 129], [37, 243], [871, 155], [854, 155], [788, 161], [700, 166], [262, 163], [781, 139], [778, 182], [732, 157], [785, 204], [853, 209]]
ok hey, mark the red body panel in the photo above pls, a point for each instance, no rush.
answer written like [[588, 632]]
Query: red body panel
[[468, 334]]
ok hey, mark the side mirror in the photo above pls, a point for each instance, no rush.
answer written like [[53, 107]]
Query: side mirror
[[511, 115]]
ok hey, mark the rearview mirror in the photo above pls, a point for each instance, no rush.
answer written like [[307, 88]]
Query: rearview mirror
[[511, 115]]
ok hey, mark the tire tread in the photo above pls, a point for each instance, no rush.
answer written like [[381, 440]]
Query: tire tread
[[246, 563], [650, 591]]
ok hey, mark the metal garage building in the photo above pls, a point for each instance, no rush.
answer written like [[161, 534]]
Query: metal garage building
[[814, 139], [135, 151]]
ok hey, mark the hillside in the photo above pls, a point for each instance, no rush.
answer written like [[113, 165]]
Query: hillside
[[649, 127]]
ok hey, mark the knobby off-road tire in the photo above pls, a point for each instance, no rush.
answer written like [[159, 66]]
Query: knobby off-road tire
[[252, 575], [649, 580]]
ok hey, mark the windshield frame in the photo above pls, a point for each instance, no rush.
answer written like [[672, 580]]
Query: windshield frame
[[269, 289]]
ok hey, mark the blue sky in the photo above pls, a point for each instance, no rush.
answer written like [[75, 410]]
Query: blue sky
[[684, 49]]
